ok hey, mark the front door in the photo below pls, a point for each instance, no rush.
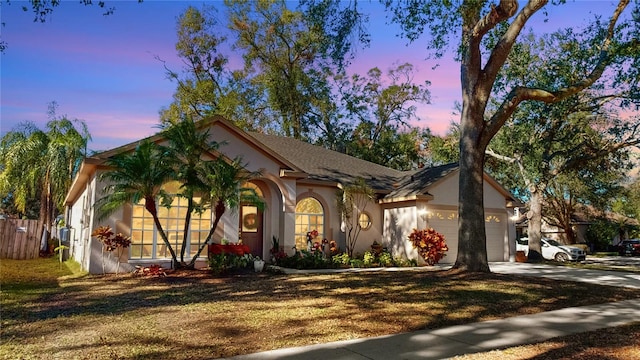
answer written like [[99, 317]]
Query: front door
[[251, 228]]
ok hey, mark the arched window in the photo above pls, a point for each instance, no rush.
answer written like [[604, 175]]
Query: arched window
[[309, 217], [254, 187]]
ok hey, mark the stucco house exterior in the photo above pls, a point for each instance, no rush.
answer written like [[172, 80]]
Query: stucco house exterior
[[298, 183]]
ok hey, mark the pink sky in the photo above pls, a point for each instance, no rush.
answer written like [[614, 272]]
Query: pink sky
[[102, 69]]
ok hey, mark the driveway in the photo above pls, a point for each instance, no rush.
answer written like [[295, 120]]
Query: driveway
[[612, 278], [615, 261]]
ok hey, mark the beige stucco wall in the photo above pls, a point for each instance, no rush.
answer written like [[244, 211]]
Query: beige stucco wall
[[399, 221], [441, 213], [446, 193]]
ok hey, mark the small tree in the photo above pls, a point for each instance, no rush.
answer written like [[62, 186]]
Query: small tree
[[187, 145], [137, 176], [224, 180], [352, 201]]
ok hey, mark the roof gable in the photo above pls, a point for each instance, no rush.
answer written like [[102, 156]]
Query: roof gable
[[314, 163]]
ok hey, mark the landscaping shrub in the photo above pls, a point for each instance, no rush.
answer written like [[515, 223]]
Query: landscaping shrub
[[318, 260], [226, 262], [151, 270], [369, 258], [430, 244], [400, 262], [306, 260], [385, 259], [111, 242]]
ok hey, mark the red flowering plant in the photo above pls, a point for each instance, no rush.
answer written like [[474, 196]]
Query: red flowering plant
[[325, 242], [430, 245], [311, 235], [277, 253], [333, 247], [152, 270], [111, 242]]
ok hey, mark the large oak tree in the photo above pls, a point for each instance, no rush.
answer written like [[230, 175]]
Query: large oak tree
[[485, 33]]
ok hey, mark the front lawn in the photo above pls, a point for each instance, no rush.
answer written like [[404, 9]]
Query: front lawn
[[50, 311]]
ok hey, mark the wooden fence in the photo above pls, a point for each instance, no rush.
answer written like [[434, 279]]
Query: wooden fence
[[20, 239]]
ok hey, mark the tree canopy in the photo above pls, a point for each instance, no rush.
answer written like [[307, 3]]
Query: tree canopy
[[292, 80], [485, 35], [38, 165]]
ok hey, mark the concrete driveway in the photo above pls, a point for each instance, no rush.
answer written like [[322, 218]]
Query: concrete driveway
[[601, 277], [615, 261]]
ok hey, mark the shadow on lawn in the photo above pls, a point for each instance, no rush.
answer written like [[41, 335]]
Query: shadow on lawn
[[112, 295], [362, 304]]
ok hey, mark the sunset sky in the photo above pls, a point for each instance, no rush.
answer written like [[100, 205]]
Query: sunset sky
[[103, 69]]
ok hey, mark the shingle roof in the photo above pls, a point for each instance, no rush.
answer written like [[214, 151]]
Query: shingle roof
[[323, 164], [419, 181], [328, 165]]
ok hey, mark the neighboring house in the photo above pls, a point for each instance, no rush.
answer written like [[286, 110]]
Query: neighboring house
[[579, 222], [298, 183], [581, 219]]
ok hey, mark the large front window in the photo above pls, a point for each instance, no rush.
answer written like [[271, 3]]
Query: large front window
[[146, 242], [309, 217]]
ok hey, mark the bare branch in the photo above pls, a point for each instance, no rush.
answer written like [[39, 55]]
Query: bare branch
[[494, 154]]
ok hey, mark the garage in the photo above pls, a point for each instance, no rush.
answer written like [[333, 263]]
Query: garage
[[446, 223]]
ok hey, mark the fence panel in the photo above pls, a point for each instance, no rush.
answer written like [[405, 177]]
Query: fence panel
[[20, 239], [7, 234]]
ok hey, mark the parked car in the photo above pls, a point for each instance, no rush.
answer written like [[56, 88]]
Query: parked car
[[629, 247], [553, 250]]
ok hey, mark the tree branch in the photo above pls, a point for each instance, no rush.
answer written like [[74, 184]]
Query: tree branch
[[502, 49], [492, 153], [498, 14], [519, 94]]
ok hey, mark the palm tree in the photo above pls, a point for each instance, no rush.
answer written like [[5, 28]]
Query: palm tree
[[37, 163], [138, 176], [21, 154], [187, 146], [224, 180]]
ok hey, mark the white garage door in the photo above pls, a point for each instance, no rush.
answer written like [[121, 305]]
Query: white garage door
[[446, 223], [496, 229]]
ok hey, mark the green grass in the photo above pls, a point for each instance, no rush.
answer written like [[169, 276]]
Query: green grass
[[54, 311]]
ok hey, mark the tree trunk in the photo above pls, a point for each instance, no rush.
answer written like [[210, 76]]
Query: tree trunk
[[45, 213], [218, 211], [534, 228], [185, 231], [150, 205], [472, 242]]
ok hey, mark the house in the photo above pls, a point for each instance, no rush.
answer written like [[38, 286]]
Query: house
[[298, 183], [581, 218]]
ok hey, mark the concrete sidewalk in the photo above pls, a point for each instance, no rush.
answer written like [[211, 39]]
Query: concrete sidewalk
[[465, 339], [483, 336]]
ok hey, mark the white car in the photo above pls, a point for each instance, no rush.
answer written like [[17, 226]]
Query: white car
[[553, 250]]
